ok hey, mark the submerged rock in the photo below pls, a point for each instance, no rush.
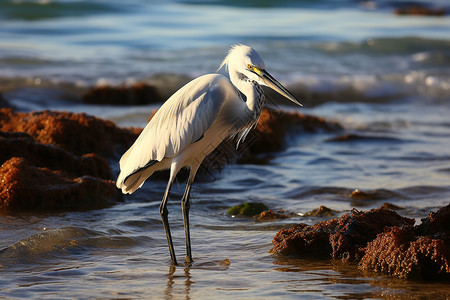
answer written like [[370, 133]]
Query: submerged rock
[[388, 205], [420, 10], [137, 94], [269, 215], [247, 209], [322, 211]]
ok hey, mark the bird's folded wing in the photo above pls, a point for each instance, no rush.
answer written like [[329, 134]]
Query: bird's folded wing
[[183, 119]]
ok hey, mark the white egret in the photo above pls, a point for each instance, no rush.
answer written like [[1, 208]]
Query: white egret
[[193, 122]]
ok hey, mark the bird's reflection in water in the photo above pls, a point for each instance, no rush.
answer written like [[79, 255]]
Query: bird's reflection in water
[[171, 278]]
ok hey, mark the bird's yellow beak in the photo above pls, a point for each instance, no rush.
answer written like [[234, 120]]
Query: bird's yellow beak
[[276, 86]]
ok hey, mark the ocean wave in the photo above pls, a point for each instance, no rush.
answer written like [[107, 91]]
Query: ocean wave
[[36, 93], [386, 45], [46, 9], [57, 243]]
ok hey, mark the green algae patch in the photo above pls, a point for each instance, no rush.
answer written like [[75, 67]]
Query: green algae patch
[[247, 209]]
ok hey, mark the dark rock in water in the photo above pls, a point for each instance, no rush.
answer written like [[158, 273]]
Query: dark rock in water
[[420, 10], [247, 209], [436, 223], [305, 240], [19, 144], [137, 94], [388, 205], [359, 228], [26, 187], [381, 240], [322, 211], [269, 215], [361, 195], [55, 160], [343, 238], [78, 133], [421, 252], [399, 252]]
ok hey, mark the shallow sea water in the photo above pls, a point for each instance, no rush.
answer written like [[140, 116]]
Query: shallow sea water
[[384, 78], [121, 252]]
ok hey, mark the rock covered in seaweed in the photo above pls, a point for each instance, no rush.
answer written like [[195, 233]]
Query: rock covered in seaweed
[[78, 133], [55, 160], [269, 215], [26, 187], [398, 252], [248, 209], [302, 239], [381, 240], [19, 144], [343, 238], [419, 252]]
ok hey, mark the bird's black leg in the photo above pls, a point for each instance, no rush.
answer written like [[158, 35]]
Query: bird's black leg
[[164, 216], [185, 206]]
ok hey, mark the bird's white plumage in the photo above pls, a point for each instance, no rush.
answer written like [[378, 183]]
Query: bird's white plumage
[[183, 119], [232, 98], [194, 121]]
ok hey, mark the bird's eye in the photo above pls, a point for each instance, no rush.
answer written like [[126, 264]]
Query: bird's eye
[[250, 67]]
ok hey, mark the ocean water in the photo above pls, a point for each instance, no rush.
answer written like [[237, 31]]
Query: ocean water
[[384, 78]]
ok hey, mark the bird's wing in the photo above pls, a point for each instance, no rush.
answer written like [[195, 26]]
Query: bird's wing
[[182, 120]]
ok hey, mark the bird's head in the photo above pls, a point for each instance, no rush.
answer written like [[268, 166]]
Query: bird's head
[[248, 65]]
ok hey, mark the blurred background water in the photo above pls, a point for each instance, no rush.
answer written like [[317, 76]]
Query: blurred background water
[[384, 77]]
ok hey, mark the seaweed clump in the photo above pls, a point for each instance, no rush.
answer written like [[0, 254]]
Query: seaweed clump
[[58, 160], [413, 252], [24, 186], [248, 209], [343, 238], [380, 240]]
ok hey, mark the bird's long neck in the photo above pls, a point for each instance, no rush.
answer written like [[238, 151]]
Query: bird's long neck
[[253, 92], [255, 99], [248, 116]]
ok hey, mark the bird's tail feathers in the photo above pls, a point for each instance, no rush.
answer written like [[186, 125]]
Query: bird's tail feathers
[[129, 183]]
